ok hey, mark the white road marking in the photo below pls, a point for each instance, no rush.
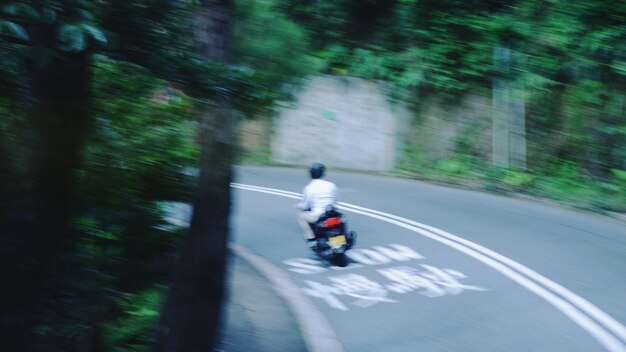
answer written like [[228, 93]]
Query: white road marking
[[360, 257], [611, 333], [431, 282]]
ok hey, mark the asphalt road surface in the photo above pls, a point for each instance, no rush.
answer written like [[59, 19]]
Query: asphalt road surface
[[443, 269]]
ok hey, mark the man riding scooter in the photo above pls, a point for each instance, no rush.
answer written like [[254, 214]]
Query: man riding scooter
[[316, 197]]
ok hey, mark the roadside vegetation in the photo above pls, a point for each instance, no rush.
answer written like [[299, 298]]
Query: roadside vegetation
[[105, 107], [566, 61], [568, 185]]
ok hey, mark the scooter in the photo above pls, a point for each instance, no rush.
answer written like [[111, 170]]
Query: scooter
[[332, 238]]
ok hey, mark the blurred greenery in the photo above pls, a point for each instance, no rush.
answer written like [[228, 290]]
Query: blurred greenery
[[106, 279], [567, 185], [568, 55], [260, 156], [136, 155], [145, 81]]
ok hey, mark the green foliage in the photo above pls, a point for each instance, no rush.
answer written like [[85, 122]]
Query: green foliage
[[13, 29], [620, 175], [260, 156], [327, 20], [74, 36], [146, 81], [451, 166], [72, 22], [568, 55], [136, 156], [135, 329], [517, 180], [144, 141], [263, 37], [365, 63]]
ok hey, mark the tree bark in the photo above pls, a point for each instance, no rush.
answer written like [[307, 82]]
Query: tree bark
[[34, 222], [192, 313]]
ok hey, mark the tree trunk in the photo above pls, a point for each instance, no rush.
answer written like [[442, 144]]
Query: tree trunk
[[192, 313], [35, 221]]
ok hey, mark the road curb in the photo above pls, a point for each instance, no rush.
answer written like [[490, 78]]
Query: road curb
[[316, 331]]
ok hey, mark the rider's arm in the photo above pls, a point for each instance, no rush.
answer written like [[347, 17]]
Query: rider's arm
[[305, 203]]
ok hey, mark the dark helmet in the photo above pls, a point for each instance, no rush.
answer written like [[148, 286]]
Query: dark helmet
[[317, 170]]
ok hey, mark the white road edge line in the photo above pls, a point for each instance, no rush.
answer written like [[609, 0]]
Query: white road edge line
[[315, 329], [504, 265]]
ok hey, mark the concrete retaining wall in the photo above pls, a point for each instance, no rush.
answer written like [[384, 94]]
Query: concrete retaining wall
[[442, 126], [343, 122]]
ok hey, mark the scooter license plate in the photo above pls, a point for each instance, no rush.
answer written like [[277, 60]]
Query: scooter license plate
[[337, 241]]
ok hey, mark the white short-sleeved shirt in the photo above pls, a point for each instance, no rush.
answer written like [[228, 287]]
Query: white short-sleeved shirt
[[318, 194]]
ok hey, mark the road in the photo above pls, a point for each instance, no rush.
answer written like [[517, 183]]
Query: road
[[444, 269]]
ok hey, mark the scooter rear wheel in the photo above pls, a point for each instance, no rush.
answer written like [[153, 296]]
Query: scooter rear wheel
[[341, 260]]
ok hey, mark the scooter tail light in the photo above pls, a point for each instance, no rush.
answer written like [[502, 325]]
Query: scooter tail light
[[332, 222]]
